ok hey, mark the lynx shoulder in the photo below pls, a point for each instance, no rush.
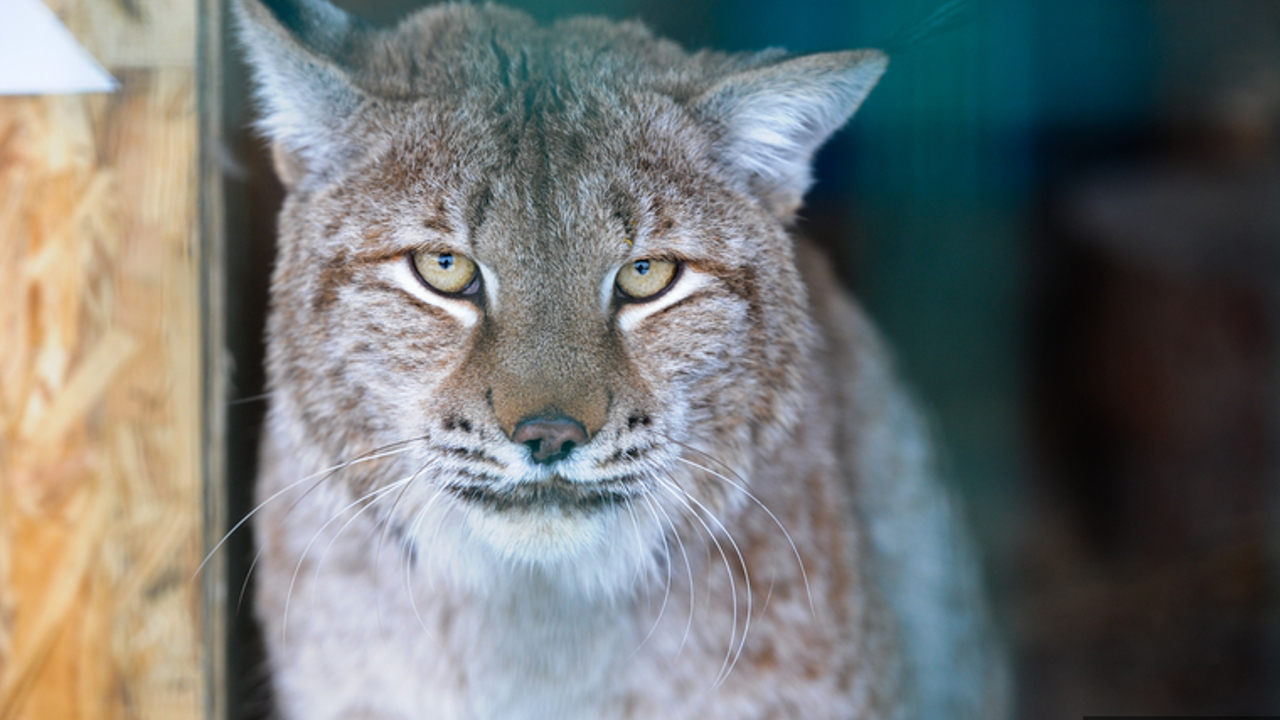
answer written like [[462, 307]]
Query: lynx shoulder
[[564, 422]]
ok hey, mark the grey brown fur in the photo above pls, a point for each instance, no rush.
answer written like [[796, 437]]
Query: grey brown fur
[[752, 529]]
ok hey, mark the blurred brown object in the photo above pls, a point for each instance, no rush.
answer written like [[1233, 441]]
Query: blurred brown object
[[1146, 588]]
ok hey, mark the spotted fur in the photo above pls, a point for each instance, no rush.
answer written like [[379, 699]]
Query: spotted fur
[[750, 530]]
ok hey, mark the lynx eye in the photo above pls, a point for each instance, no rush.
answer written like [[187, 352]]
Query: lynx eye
[[645, 279], [447, 273]]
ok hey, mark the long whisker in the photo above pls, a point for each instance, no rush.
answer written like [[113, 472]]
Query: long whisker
[[439, 526], [804, 574], [688, 566], [257, 556], [244, 585], [380, 493], [288, 597], [639, 540], [746, 575], [327, 473], [769, 595], [438, 492], [386, 526], [666, 594], [408, 566], [681, 495], [250, 398]]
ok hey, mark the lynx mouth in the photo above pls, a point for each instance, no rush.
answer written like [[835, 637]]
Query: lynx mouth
[[556, 493]]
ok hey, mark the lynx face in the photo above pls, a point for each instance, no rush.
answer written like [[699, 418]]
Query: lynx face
[[538, 280]]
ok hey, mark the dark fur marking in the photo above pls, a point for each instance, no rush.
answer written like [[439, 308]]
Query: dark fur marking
[[478, 208], [473, 454], [543, 495], [334, 275], [454, 422], [438, 224], [627, 455], [434, 310]]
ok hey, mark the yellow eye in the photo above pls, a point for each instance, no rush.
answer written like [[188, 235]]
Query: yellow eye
[[448, 273], [643, 279]]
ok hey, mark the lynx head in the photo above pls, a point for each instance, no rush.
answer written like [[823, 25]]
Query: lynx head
[[545, 270]]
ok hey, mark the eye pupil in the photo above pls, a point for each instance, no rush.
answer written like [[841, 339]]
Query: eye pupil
[[644, 279], [446, 272]]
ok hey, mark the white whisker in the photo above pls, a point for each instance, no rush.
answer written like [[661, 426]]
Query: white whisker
[[666, 595], [326, 473], [681, 495], [408, 566], [639, 543], [746, 575], [386, 527], [244, 585], [288, 597], [688, 566], [374, 497], [769, 595], [794, 550], [431, 542]]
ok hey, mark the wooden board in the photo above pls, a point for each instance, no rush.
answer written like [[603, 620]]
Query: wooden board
[[101, 494]]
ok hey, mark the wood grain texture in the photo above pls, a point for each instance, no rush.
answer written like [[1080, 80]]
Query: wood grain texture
[[101, 524], [133, 33]]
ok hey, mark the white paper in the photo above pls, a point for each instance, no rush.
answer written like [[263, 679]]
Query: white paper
[[38, 55]]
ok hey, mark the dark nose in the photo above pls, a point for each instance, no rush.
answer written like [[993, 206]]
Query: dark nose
[[550, 438]]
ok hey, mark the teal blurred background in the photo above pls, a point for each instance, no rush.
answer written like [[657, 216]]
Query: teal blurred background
[[1066, 218]]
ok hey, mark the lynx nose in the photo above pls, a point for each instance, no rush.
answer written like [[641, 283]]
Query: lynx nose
[[550, 438]]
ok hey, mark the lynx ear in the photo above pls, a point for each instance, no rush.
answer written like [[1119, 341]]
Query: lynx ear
[[296, 48], [774, 118]]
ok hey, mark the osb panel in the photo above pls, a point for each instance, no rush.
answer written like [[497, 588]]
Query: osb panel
[[99, 404], [125, 34]]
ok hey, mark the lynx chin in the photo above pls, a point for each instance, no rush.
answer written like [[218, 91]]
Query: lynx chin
[[565, 422]]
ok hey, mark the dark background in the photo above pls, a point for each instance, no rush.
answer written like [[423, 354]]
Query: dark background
[[1066, 218]]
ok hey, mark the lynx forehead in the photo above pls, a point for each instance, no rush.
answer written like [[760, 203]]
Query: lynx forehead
[[538, 328]]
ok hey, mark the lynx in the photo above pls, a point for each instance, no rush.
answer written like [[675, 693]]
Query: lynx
[[565, 422]]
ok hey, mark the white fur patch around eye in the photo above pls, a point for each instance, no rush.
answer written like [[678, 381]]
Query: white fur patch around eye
[[489, 280], [464, 311], [606, 288], [690, 281]]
